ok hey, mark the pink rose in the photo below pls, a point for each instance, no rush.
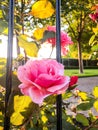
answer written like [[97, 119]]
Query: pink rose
[[73, 81], [41, 78], [65, 39]]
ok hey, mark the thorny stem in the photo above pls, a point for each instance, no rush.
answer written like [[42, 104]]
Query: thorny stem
[[27, 121]]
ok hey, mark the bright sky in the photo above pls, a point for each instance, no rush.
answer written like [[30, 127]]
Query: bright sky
[[44, 52], [3, 47]]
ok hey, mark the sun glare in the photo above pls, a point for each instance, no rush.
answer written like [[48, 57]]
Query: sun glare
[[3, 47], [46, 51]]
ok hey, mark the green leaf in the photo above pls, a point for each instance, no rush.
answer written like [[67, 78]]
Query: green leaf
[[91, 39], [82, 119], [3, 27], [67, 125], [30, 47], [23, 109], [85, 106], [47, 34], [67, 95], [92, 129], [92, 117], [95, 47], [38, 33], [50, 99], [18, 27]]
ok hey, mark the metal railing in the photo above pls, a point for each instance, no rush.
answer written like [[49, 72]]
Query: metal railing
[[9, 63]]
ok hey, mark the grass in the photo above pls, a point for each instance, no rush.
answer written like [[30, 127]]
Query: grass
[[87, 72], [69, 72]]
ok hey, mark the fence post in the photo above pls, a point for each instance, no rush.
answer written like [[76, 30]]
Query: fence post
[[58, 57], [9, 63]]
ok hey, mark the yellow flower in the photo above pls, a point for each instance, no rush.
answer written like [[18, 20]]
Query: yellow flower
[[45, 128], [95, 30], [44, 119], [83, 95], [95, 92], [96, 105]]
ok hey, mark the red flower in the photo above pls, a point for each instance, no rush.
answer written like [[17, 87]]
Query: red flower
[[73, 81], [65, 39], [94, 16]]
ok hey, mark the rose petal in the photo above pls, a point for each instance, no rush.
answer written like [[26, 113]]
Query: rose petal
[[45, 80], [62, 90], [64, 82], [24, 75], [24, 89], [59, 68], [38, 96]]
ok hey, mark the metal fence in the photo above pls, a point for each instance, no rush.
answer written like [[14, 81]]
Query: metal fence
[[73, 63], [9, 63]]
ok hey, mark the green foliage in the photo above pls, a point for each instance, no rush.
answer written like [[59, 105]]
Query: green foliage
[[95, 48], [27, 115], [91, 40], [48, 34], [85, 106], [3, 27], [2, 93], [30, 47], [45, 116], [82, 119], [23, 108], [23, 112]]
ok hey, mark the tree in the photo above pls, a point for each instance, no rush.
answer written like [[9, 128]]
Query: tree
[[76, 17], [93, 40]]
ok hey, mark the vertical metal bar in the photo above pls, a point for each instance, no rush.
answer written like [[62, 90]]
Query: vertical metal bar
[[58, 57], [9, 63]]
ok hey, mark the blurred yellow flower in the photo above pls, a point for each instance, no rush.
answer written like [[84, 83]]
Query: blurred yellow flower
[[96, 105], [95, 92], [95, 30], [44, 119], [83, 95]]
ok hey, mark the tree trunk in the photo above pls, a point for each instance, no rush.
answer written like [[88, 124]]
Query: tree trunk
[[18, 48], [80, 58]]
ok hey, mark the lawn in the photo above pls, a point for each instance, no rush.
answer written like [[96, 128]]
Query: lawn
[[69, 72], [87, 72]]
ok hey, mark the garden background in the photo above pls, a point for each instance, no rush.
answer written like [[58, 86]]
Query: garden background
[[34, 38]]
